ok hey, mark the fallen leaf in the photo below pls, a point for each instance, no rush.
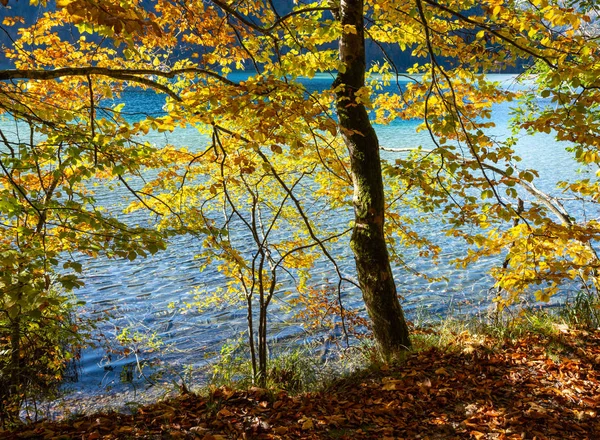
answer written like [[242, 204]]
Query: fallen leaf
[[562, 328], [225, 413], [391, 385], [307, 424], [442, 372]]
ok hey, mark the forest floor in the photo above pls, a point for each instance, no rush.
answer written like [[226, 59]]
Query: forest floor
[[533, 386]]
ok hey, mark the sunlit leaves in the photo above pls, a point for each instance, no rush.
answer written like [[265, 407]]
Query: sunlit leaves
[[273, 165]]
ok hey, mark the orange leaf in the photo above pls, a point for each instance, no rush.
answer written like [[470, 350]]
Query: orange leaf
[[225, 413]]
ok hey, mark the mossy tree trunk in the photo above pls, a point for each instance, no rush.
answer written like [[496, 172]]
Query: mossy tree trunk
[[368, 239]]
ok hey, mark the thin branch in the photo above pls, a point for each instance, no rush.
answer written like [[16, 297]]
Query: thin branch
[[491, 31], [121, 74], [298, 12], [267, 31], [552, 203], [134, 192]]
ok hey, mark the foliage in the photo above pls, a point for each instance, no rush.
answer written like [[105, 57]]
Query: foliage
[[49, 222], [139, 344], [293, 370], [274, 162], [582, 311], [49, 347], [321, 308]]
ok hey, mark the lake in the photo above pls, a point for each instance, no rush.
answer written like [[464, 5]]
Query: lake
[[138, 294]]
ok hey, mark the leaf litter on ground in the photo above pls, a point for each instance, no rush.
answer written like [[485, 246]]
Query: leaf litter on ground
[[533, 387]]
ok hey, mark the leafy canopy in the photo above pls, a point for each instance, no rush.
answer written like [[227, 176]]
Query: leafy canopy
[[269, 160]]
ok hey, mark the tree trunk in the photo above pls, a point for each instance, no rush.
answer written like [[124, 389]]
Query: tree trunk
[[368, 239], [251, 337]]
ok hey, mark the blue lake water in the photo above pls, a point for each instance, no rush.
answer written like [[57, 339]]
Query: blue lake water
[[138, 293]]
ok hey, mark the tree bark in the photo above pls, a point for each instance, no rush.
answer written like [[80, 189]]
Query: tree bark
[[368, 239]]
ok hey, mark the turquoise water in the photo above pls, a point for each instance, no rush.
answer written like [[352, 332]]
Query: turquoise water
[[138, 293]]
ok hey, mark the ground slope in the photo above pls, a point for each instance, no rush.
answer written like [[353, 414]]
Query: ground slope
[[536, 386]]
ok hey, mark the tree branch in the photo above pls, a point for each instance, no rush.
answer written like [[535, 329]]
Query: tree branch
[[267, 31], [121, 74], [491, 31]]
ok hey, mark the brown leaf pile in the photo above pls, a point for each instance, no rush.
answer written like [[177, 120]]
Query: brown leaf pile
[[517, 391]]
